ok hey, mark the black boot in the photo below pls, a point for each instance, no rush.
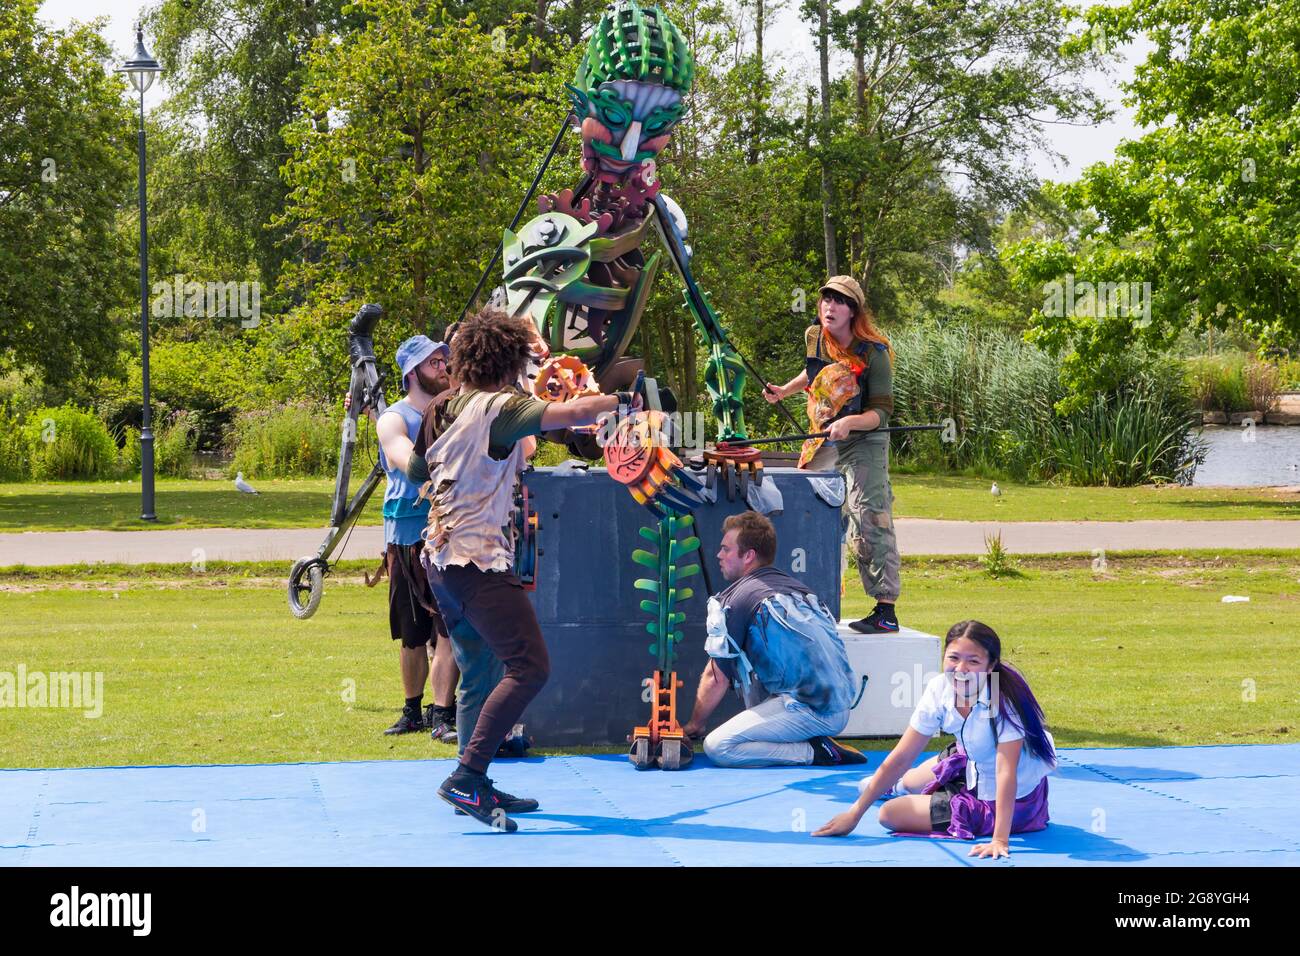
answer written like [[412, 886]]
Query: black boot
[[408, 723], [882, 620], [471, 792], [832, 753]]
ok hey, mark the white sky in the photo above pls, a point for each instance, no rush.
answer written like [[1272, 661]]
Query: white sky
[[787, 37]]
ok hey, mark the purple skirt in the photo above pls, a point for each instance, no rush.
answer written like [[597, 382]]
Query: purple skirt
[[965, 815]]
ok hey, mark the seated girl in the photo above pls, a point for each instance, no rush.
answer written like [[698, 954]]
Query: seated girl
[[992, 780]]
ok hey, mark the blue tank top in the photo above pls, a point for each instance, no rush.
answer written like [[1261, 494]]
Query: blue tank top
[[404, 515]]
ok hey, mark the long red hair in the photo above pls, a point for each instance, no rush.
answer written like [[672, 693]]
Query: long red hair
[[863, 327]]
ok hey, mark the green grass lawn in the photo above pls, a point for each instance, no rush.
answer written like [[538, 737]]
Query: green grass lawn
[[304, 503], [179, 503], [212, 669], [970, 499]]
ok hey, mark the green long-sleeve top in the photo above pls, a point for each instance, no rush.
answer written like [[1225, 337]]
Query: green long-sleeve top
[[875, 380]]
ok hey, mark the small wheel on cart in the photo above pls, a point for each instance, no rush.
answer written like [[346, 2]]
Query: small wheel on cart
[[640, 753], [306, 587], [670, 754]]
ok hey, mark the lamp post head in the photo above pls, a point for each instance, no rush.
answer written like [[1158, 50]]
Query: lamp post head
[[142, 67]]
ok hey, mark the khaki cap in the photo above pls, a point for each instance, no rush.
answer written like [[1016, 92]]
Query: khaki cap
[[846, 286]]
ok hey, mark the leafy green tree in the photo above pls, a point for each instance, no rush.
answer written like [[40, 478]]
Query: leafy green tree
[[415, 142], [234, 71], [985, 287], [944, 93], [66, 172], [1205, 207]]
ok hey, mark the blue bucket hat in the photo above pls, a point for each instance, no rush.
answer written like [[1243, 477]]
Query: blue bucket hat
[[415, 350]]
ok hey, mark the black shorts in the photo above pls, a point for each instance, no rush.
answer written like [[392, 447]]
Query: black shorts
[[941, 799], [413, 616]]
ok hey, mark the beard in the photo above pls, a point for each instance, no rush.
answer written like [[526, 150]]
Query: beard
[[432, 384]]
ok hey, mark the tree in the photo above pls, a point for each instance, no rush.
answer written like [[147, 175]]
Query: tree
[[234, 69], [824, 134], [1202, 211], [66, 170], [415, 141], [934, 126]]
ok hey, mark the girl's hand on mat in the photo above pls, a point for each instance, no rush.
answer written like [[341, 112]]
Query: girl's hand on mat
[[842, 824], [994, 849]]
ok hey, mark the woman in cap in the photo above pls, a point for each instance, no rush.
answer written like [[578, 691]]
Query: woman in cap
[[848, 374]]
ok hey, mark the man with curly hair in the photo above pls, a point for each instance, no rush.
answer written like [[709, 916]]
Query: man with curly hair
[[476, 443]]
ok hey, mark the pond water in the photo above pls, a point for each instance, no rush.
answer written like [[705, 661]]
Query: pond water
[[1271, 458]]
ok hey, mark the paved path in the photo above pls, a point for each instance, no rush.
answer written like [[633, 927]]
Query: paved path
[[915, 536]]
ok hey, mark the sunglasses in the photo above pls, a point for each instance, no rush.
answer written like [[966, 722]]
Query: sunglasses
[[840, 299]]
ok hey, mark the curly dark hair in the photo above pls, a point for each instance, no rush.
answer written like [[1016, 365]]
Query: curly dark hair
[[491, 349]]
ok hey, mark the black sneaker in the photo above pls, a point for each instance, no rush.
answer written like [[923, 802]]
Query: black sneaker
[[510, 803], [877, 622], [832, 753], [472, 794], [444, 732], [406, 724], [430, 715]]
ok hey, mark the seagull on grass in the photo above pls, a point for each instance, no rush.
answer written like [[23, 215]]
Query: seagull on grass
[[244, 486], [995, 490]]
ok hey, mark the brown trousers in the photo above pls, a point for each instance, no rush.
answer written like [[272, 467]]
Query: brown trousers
[[495, 605]]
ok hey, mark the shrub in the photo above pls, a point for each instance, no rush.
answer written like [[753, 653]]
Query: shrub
[[1014, 416], [1218, 382], [1288, 374], [1128, 439], [174, 444], [128, 455], [67, 443], [1261, 385], [15, 458], [999, 391], [299, 440]]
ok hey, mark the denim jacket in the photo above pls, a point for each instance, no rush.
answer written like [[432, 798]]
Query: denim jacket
[[769, 634]]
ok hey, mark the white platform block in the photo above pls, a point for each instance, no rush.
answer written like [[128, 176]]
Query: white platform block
[[897, 668]]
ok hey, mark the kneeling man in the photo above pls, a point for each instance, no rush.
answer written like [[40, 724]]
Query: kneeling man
[[774, 641]]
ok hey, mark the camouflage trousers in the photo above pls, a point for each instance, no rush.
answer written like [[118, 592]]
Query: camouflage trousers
[[868, 510]]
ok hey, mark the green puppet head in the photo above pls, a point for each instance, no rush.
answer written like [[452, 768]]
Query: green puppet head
[[629, 88]]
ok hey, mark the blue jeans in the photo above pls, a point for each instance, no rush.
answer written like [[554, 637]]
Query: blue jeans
[[480, 672], [480, 669], [774, 733]]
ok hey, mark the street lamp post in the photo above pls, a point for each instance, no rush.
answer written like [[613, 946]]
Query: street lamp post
[[142, 68]]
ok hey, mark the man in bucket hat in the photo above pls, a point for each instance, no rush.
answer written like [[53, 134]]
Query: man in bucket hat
[[413, 616]]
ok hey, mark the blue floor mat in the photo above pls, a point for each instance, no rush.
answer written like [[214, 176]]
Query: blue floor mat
[[1185, 806]]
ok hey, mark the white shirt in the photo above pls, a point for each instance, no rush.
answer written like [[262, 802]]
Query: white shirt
[[937, 712]]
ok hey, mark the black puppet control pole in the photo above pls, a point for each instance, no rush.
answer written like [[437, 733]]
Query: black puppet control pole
[[742, 442]]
